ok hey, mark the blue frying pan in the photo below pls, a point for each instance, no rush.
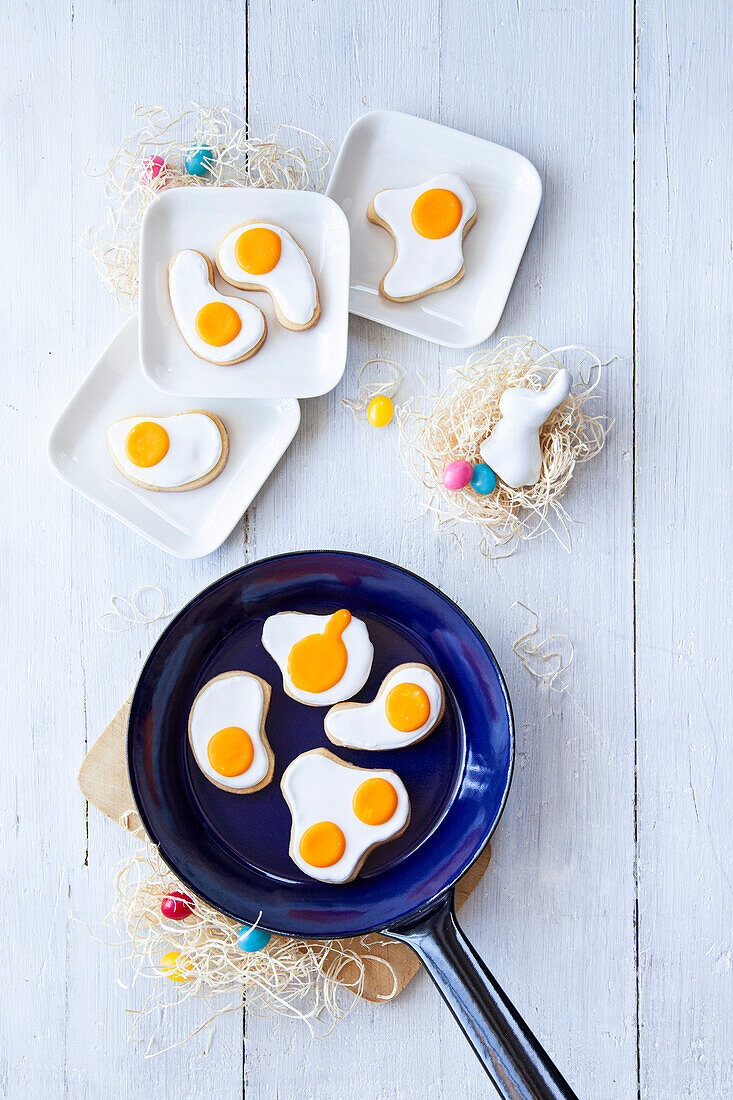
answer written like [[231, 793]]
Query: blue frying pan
[[233, 850]]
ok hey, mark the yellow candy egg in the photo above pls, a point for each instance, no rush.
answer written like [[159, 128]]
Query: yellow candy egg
[[380, 411], [176, 966]]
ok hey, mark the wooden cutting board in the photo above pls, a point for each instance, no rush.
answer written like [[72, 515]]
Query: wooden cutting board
[[104, 782]]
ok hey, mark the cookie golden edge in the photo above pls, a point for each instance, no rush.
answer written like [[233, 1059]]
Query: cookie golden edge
[[229, 362], [286, 688], [189, 485], [380, 694], [374, 217], [267, 693], [259, 289], [344, 763]]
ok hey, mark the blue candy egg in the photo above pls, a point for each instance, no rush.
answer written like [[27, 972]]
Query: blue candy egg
[[199, 161], [483, 481], [252, 939]]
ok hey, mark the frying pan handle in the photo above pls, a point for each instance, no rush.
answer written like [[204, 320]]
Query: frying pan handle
[[511, 1055]]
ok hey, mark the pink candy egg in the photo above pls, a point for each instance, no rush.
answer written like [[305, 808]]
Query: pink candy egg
[[153, 168], [457, 475], [176, 906]]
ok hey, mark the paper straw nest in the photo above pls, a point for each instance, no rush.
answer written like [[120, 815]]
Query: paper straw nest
[[289, 158], [316, 981], [453, 424]]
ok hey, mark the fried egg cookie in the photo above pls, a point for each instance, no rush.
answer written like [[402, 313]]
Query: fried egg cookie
[[407, 707], [264, 256], [169, 454], [324, 659], [428, 224], [216, 327], [226, 731], [340, 813]]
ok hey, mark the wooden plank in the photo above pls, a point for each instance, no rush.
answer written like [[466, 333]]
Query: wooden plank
[[684, 612], [554, 917], [91, 65]]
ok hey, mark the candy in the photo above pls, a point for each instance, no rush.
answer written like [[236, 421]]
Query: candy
[[176, 966], [199, 160], [153, 169], [483, 481], [380, 411], [176, 906], [252, 939], [457, 475]]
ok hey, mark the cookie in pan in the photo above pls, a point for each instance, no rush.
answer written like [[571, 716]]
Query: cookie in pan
[[226, 731], [324, 659], [408, 706], [340, 813]]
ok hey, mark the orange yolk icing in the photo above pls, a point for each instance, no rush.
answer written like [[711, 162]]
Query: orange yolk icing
[[317, 662], [147, 443], [407, 707], [323, 844], [230, 751], [217, 324], [257, 251], [436, 213], [375, 801]]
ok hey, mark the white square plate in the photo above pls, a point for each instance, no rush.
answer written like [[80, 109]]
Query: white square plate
[[289, 364], [189, 524], [389, 149]]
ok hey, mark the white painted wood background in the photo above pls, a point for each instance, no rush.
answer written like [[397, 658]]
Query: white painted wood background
[[606, 912]]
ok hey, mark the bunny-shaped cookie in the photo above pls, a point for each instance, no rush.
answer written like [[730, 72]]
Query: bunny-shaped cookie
[[512, 450]]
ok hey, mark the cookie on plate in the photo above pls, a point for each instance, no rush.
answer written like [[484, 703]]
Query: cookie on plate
[[217, 327], [169, 454], [264, 256], [428, 224]]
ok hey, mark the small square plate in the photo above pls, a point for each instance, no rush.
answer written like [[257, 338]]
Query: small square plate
[[289, 364], [188, 525], [389, 149]]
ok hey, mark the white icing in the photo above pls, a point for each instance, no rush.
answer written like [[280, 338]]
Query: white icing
[[422, 263], [319, 788], [190, 289], [365, 726], [236, 700], [512, 449], [282, 631], [290, 282], [193, 451]]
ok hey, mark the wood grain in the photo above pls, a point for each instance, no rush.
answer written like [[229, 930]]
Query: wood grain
[[605, 915]]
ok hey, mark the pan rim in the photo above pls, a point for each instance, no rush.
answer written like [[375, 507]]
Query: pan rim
[[450, 883]]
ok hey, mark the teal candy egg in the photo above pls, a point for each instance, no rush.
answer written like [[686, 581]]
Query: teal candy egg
[[483, 481], [252, 939], [199, 161]]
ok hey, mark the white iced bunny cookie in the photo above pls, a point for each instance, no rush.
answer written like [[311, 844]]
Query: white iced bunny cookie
[[217, 327], [169, 454], [428, 224], [407, 707], [264, 256], [340, 812], [226, 730], [512, 449]]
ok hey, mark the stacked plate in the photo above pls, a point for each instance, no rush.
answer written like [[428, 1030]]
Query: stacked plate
[[149, 370]]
